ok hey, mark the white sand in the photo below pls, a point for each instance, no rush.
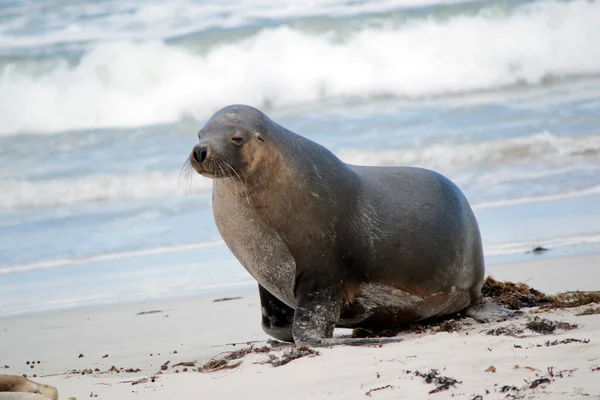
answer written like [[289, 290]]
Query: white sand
[[198, 329]]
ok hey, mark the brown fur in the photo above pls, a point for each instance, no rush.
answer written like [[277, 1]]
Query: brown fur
[[16, 383]]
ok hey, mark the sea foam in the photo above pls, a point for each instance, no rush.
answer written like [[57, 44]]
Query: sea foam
[[125, 84]]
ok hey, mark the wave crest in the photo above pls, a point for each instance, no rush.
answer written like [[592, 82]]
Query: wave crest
[[519, 150], [134, 84]]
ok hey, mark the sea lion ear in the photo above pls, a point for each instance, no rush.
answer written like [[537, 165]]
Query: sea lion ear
[[259, 137]]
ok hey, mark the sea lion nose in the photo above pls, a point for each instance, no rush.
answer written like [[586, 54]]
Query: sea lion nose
[[200, 153]]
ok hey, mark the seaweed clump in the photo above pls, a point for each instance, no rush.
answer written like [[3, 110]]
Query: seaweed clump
[[218, 364], [433, 377], [512, 295], [546, 327], [293, 354]]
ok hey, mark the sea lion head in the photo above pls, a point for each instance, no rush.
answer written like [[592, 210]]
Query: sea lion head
[[231, 142]]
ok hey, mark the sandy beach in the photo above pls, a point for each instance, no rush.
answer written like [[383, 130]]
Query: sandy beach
[[141, 338]]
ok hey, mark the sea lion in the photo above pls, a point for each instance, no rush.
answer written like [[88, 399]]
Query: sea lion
[[22, 388], [333, 244]]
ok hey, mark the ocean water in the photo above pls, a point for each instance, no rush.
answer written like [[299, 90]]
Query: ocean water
[[100, 102]]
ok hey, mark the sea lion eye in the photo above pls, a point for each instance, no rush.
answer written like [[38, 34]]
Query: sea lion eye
[[237, 140]]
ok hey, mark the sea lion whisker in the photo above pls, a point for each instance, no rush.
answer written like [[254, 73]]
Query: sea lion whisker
[[241, 183], [182, 179]]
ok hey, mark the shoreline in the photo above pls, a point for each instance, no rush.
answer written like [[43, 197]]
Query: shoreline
[[142, 337], [497, 267]]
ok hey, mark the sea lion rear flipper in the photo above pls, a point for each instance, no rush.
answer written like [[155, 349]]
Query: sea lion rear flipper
[[486, 311]]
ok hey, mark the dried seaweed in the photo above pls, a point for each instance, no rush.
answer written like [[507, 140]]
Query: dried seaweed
[[379, 388], [512, 295], [218, 364], [433, 377], [508, 330], [546, 327], [566, 341], [589, 311], [293, 354]]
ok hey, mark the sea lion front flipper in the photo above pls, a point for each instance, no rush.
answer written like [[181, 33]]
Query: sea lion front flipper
[[318, 306], [277, 317]]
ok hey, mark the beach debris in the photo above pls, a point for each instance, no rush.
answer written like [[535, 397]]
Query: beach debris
[[546, 327], [434, 377], [538, 382], [85, 371], [80, 356], [217, 364], [227, 299], [508, 330], [293, 354], [149, 312], [450, 326], [185, 364], [379, 388], [105, 356], [476, 397], [7, 366], [574, 299], [137, 381], [526, 367], [589, 311], [595, 369], [165, 366], [538, 250], [491, 369], [122, 369], [507, 388], [566, 341], [512, 295]]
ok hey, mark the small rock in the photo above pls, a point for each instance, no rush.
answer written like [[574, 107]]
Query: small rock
[[81, 356]]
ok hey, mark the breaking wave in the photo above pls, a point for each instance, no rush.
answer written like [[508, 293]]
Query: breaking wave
[[125, 84]]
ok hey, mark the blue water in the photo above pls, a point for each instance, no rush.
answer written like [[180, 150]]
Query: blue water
[[100, 103]]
